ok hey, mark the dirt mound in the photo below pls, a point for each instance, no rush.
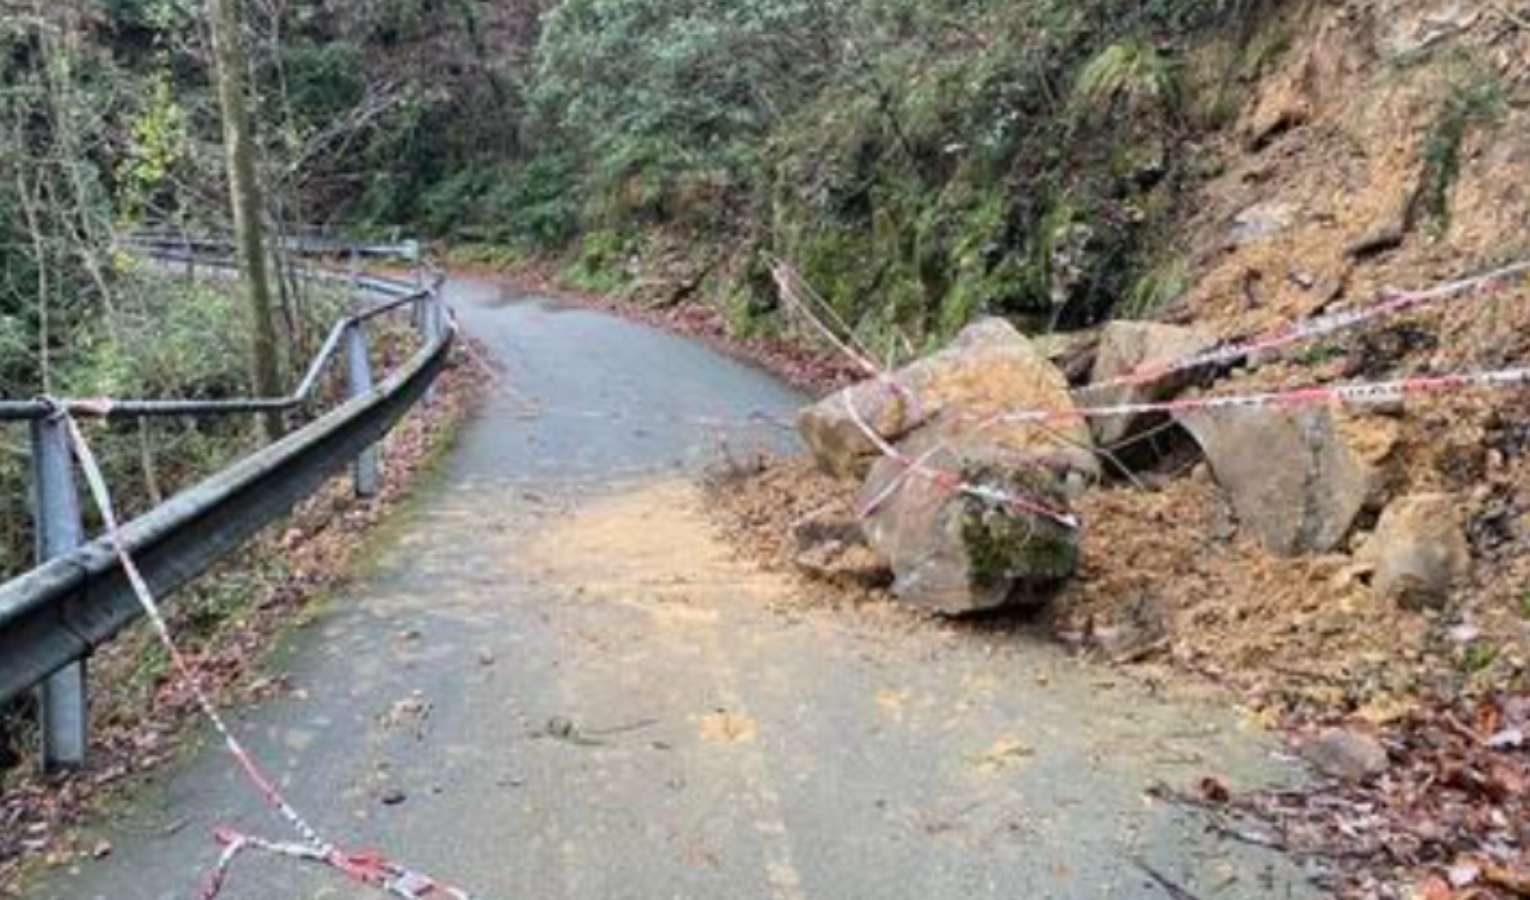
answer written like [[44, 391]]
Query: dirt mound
[[1167, 580], [756, 510]]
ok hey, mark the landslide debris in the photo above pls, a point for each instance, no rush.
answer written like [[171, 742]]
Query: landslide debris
[[1346, 569]]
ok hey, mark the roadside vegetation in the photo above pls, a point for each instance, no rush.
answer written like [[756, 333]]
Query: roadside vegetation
[[921, 163]]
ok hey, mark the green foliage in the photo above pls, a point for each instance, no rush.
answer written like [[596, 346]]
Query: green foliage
[[1156, 290], [159, 140], [321, 82], [533, 207], [172, 338], [601, 264], [395, 22], [1130, 76], [1478, 657], [648, 90], [1472, 102]]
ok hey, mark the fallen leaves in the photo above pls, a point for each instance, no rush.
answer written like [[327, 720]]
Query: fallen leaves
[[1005, 753], [1448, 819]]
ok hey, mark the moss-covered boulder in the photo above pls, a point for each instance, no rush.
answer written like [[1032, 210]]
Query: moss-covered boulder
[[958, 550]]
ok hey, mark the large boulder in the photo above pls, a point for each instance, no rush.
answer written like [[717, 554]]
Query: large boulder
[[954, 551], [1293, 479], [990, 369], [1419, 552], [1129, 347]]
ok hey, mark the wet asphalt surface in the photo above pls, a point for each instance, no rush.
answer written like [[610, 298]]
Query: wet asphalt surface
[[531, 741]]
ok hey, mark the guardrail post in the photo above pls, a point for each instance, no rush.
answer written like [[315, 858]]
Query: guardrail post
[[367, 473], [59, 529], [431, 317]]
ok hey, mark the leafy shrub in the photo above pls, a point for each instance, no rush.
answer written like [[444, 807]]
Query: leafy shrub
[[1129, 75]]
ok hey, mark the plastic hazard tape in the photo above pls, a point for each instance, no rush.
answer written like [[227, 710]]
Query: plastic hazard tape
[[1373, 392], [1393, 303], [792, 288], [368, 869], [949, 481]]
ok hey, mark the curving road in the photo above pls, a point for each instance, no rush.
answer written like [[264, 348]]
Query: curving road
[[551, 682]]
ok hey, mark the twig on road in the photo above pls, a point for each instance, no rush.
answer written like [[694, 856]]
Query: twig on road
[[1170, 887]]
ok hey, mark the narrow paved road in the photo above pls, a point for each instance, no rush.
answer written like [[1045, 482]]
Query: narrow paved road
[[552, 682]]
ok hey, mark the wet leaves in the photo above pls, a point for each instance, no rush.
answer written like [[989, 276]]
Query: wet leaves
[[1449, 819]]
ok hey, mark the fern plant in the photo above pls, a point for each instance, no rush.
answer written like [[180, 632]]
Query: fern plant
[[1127, 75]]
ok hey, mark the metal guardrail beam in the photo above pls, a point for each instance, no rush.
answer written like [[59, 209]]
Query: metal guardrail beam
[[404, 294], [61, 611], [297, 243], [53, 617]]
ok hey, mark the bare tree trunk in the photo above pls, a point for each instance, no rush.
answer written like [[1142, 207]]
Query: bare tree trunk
[[244, 194], [44, 287], [147, 463]]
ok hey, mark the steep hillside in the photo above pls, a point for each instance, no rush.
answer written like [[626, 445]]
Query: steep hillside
[[1389, 149], [1363, 177]]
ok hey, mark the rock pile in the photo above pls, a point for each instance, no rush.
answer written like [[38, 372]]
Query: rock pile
[[915, 435], [969, 509]]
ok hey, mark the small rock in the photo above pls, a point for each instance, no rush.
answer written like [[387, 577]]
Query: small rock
[[1140, 631], [393, 797], [1508, 739], [1385, 237], [1419, 551], [1463, 874], [1346, 754], [1424, 25], [1262, 221], [836, 550]]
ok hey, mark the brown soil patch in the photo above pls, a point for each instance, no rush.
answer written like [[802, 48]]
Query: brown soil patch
[[755, 510], [650, 546]]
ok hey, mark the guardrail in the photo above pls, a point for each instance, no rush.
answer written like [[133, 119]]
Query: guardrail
[[53, 617], [303, 242]]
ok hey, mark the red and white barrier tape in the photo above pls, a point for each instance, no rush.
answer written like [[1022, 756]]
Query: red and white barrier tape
[[1362, 393], [788, 283], [1394, 302], [368, 869], [1371, 392], [912, 467]]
